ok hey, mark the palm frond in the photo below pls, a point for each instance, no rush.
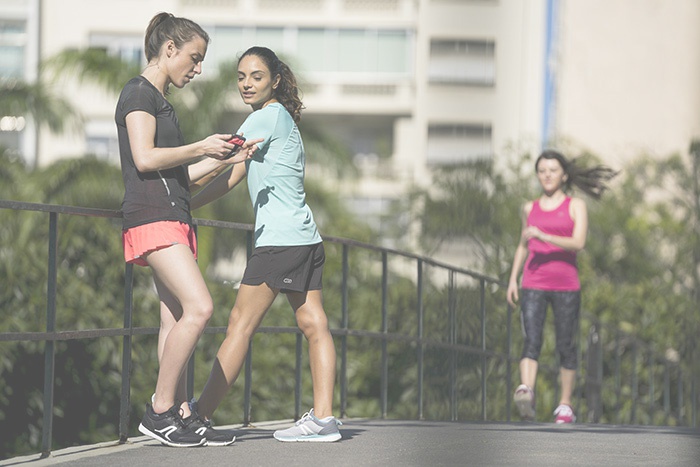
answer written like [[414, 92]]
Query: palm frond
[[38, 100], [92, 65]]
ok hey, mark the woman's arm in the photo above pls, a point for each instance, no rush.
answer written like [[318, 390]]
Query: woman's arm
[[207, 169], [204, 171], [219, 187], [141, 127], [579, 214]]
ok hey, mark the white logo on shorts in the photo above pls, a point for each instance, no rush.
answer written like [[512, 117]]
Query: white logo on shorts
[[287, 280]]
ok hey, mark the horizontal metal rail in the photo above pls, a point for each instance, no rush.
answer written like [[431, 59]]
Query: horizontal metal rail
[[595, 349]]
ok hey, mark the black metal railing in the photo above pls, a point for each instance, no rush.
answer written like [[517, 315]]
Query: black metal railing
[[460, 329]]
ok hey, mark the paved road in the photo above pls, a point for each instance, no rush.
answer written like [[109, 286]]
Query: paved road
[[411, 443]]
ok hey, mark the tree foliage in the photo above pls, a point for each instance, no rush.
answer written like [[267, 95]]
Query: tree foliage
[[41, 102], [636, 272], [637, 267], [91, 296]]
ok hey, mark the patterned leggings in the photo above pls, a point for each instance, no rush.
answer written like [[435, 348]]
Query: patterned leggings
[[565, 306]]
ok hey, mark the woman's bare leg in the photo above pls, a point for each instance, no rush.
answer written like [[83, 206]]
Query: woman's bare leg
[[528, 372], [170, 314], [252, 302], [568, 381], [178, 280], [312, 320]]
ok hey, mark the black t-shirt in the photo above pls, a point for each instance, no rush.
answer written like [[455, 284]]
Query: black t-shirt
[[162, 194]]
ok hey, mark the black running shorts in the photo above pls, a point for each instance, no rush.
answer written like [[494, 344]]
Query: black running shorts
[[287, 268]]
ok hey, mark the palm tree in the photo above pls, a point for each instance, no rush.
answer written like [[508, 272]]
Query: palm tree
[[39, 102]]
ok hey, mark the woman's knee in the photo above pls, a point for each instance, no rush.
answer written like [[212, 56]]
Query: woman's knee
[[200, 311], [532, 344], [530, 351], [568, 358], [312, 322], [242, 323]]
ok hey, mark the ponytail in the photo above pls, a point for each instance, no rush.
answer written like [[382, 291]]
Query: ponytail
[[164, 27]]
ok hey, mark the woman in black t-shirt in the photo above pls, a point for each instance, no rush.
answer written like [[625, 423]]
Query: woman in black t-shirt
[[158, 170]]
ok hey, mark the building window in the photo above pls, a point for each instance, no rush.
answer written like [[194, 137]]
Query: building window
[[225, 46], [101, 140], [462, 62], [13, 40], [355, 51], [345, 51], [229, 42], [371, 5], [373, 211], [458, 143], [128, 48]]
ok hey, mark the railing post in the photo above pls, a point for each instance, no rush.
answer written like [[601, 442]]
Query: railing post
[[297, 377], [420, 338], [594, 374], [679, 388], [694, 395], [667, 391], [694, 375], [509, 365], [248, 386], [579, 379], [452, 338], [344, 337], [125, 400], [189, 374], [189, 389], [482, 299], [618, 379], [50, 346], [635, 383], [652, 390], [384, 388]]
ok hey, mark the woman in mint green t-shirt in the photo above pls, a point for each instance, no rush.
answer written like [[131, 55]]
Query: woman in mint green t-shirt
[[288, 255]]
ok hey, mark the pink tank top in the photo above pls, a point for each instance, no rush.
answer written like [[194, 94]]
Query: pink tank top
[[549, 267]]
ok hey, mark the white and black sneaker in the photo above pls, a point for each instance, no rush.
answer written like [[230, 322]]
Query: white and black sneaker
[[203, 427], [169, 428]]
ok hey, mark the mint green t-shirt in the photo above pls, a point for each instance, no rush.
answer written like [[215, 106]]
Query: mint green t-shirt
[[276, 180]]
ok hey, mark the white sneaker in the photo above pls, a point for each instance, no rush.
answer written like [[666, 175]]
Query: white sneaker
[[309, 428], [524, 399]]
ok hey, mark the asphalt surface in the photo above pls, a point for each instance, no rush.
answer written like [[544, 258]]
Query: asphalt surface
[[410, 443]]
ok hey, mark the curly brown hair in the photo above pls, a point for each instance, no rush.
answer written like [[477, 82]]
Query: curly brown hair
[[287, 92]]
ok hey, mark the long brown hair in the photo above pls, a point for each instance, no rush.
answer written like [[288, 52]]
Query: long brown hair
[[164, 27], [592, 181], [287, 92]]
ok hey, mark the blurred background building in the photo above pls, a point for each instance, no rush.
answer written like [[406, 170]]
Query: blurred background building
[[407, 85]]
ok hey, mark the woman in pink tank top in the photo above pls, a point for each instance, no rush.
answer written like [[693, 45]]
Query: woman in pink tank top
[[554, 230]]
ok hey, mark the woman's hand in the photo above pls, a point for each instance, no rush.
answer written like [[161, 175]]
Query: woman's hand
[[512, 294], [533, 232], [216, 146], [245, 152]]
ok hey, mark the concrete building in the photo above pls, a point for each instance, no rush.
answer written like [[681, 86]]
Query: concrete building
[[406, 84], [627, 77]]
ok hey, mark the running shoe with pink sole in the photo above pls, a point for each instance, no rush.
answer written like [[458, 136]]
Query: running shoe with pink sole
[[564, 414]]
